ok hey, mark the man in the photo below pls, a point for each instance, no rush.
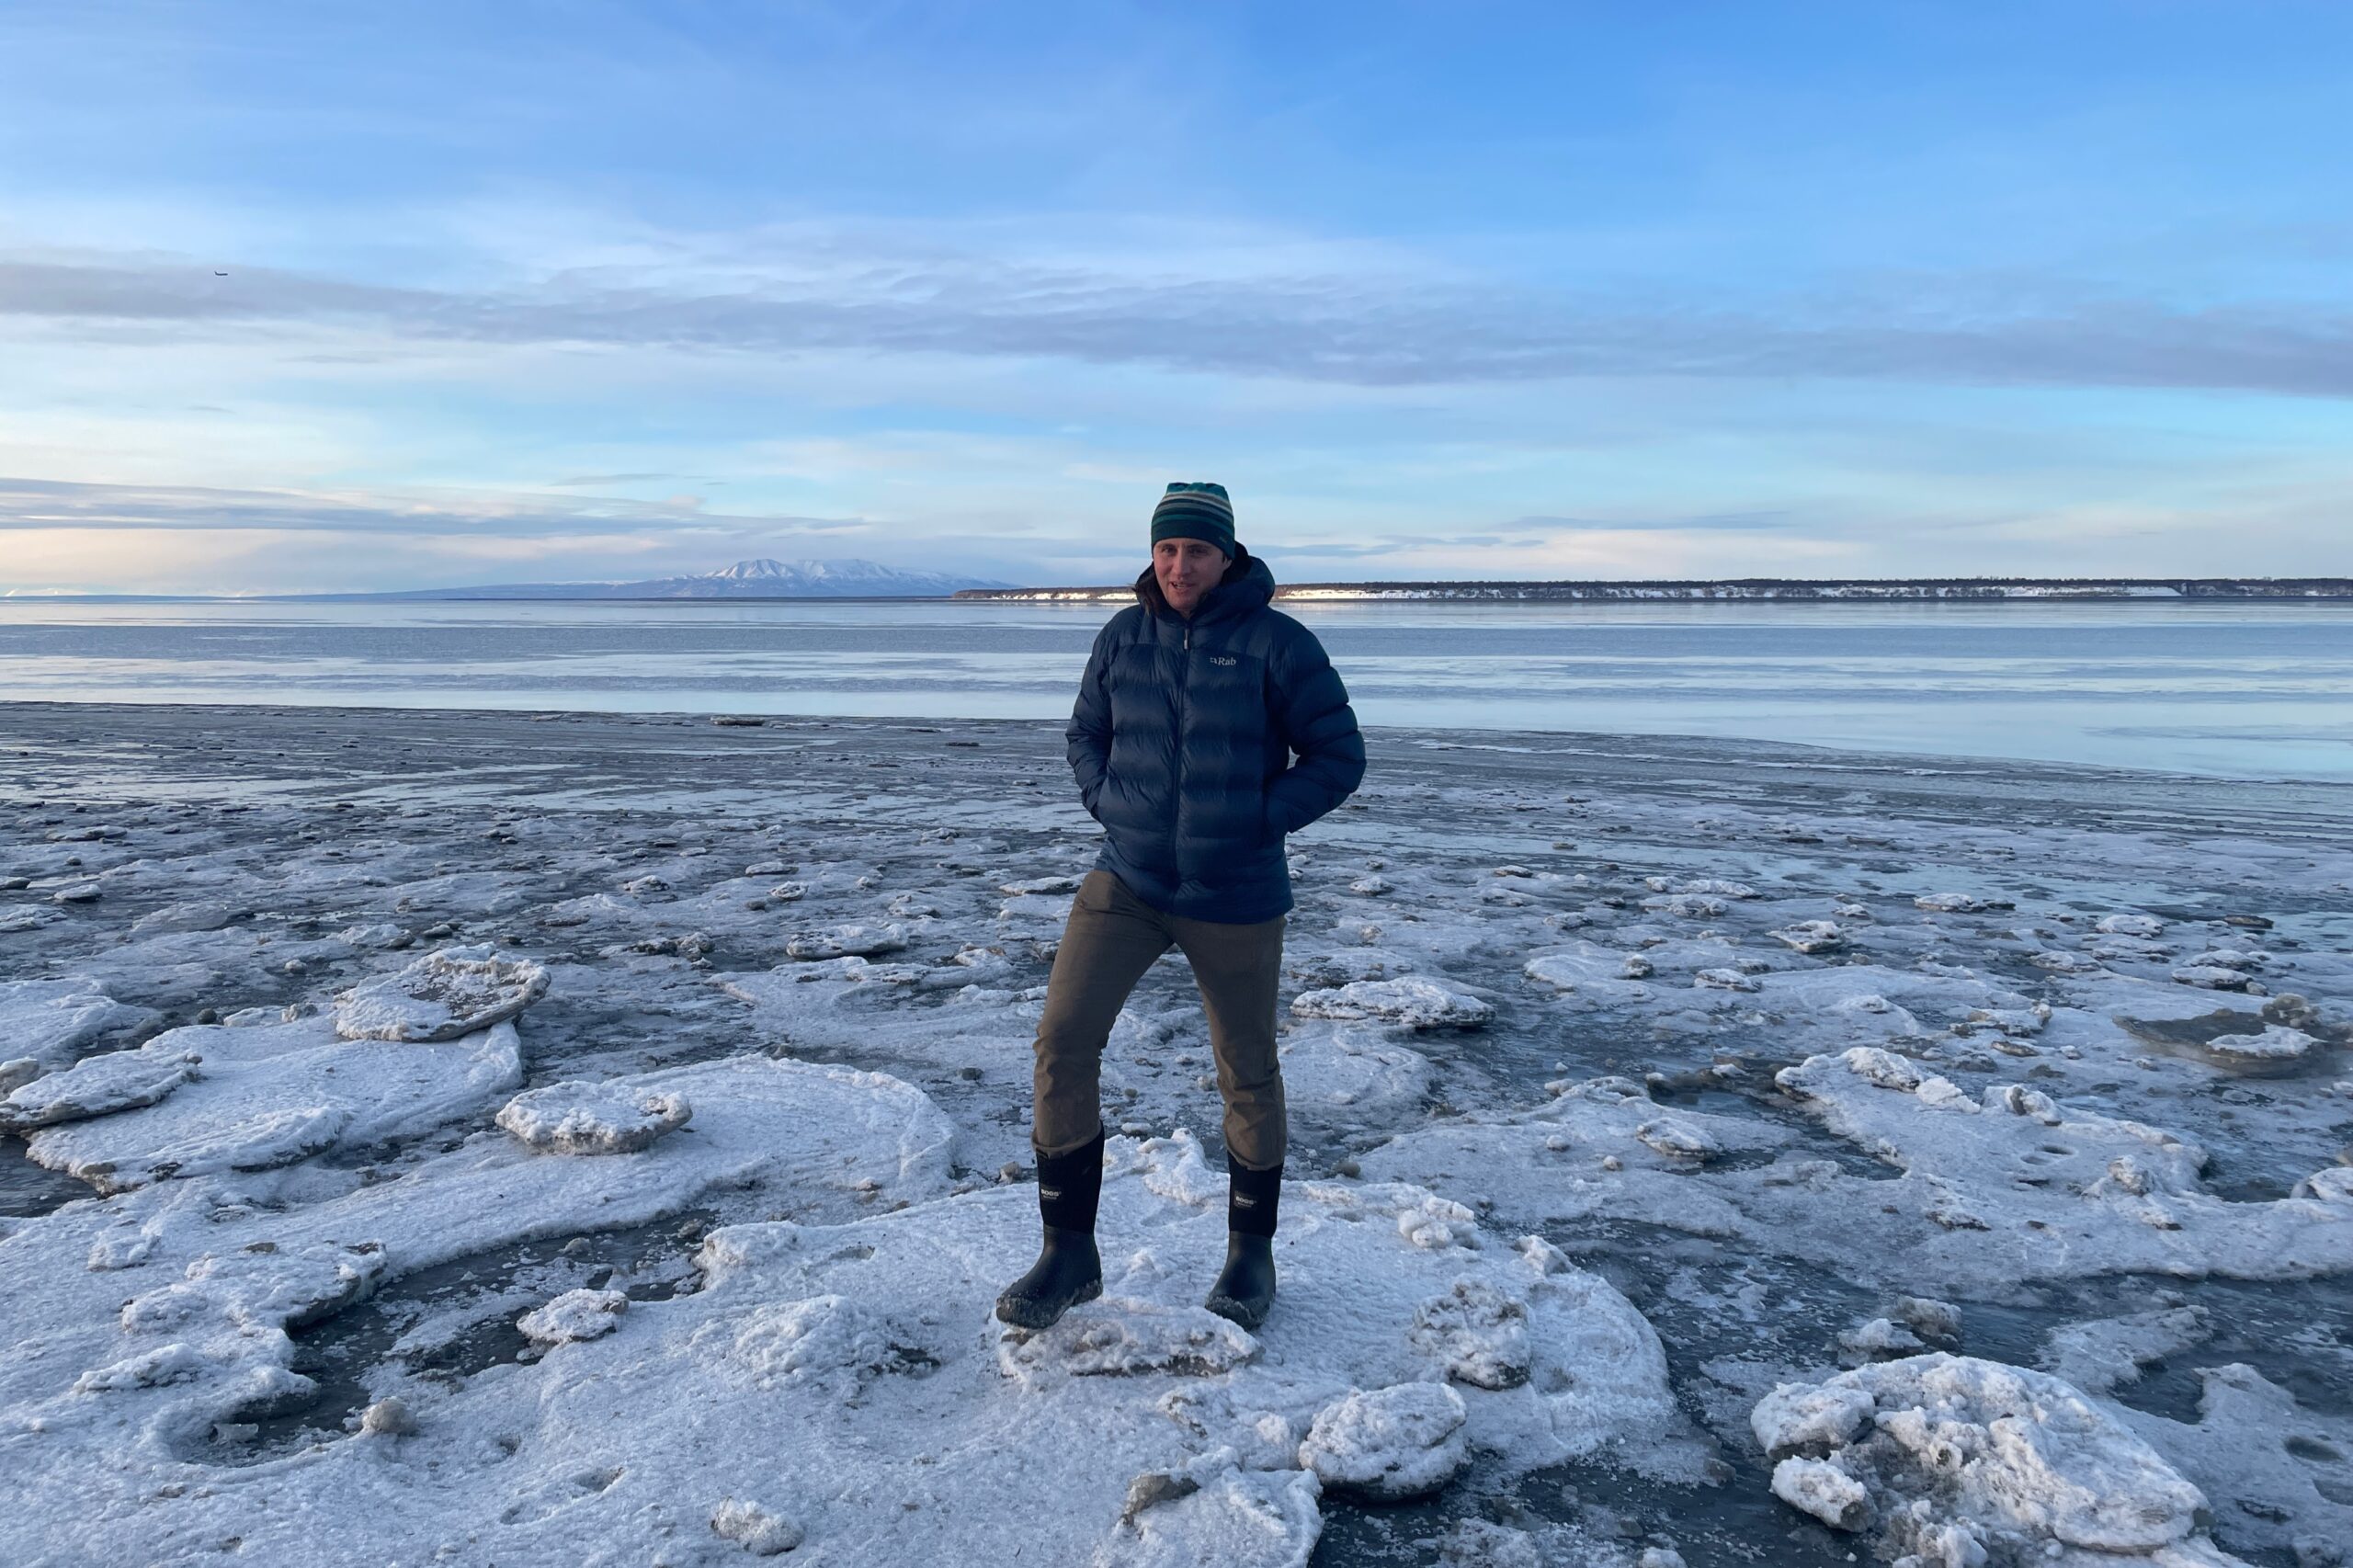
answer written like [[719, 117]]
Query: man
[[1208, 726]]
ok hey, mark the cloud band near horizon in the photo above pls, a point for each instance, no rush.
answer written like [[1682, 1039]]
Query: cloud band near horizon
[[1371, 332]]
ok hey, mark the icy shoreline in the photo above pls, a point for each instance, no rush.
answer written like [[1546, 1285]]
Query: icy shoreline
[[1633, 1081]]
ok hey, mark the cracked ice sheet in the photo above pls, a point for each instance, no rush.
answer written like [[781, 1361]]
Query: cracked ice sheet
[[45, 1021], [223, 1263], [834, 1375], [2026, 1187], [1547, 1166], [2007, 1189], [266, 1096]]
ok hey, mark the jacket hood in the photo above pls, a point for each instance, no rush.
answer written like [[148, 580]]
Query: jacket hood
[[1246, 586]]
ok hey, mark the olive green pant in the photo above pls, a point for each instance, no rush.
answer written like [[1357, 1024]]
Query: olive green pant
[[1113, 937]]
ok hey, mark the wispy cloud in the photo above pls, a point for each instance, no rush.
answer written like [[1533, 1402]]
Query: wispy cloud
[[40, 504], [1374, 329]]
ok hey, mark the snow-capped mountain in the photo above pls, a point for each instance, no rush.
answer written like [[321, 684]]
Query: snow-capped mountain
[[765, 578], [760, 579]]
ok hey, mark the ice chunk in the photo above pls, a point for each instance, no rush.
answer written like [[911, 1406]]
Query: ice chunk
[[1726, 980], [1704, 885], [2106, 1354], [1821, 1488], [2334, 1184], [1407, 1440], [1944, 1095], [1958, 1448], [1173, 1167], [1719, 885], [1810, 1418], [1126, 1336], [1476, 1333], [853, 940], [199, 914], [1930, 1318], [1959, 903], [1880, 1336], [1868, 1062], [1811, 937], [1413, 1000], [2130, 926], [574, 1315], [442, 997], [2210, 977], [1039, 885], [2020, 1100], [388, 1417], [580, 1117], [118, 1080], [761, 1531], [1678, 1139], [2278, 1042], [150, 1368], [272, 1094], [829, 1342], [1686, 907], [1591, 968], [1213, 1509], [45, 1021], [1435, 1222], [274, 1287]]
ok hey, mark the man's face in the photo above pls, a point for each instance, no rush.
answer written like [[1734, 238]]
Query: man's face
[[1185, 569]]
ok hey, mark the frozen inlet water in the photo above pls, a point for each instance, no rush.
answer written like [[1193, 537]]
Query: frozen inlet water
[[1969, 1129]]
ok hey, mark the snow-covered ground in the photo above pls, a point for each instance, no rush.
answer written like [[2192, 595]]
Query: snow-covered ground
[[445, 1138]]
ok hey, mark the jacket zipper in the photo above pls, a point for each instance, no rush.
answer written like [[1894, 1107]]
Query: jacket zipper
[[1184, 686]]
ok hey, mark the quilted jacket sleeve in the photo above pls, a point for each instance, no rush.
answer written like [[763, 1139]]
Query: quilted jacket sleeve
[[1313, 715], [1090, 725]]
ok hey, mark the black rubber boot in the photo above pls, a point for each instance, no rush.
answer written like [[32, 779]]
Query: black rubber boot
[[1245, 1286], [1068, 1269]]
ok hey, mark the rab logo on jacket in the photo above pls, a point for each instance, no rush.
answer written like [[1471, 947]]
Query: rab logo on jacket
[[1224, 659]]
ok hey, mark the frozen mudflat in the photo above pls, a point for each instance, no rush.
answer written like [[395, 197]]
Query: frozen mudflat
[[578, 1139]]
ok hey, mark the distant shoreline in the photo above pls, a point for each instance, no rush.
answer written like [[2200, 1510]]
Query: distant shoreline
[[2035, 590], [1745, 590]]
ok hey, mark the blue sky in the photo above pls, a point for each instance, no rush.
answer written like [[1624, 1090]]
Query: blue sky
[[303, 297]]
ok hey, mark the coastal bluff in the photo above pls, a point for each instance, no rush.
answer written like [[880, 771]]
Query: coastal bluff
[[1877, 589]]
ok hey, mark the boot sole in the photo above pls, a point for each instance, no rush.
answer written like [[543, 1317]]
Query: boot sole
[[1022, 1311], [1242, 1312]]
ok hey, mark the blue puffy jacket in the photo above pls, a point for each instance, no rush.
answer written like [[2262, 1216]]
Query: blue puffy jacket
[[1183, 741]]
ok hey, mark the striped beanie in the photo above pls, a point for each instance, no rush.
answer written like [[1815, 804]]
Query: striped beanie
[[1195, 511]]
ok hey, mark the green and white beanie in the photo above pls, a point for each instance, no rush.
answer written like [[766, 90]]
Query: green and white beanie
[[1195, 511]]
